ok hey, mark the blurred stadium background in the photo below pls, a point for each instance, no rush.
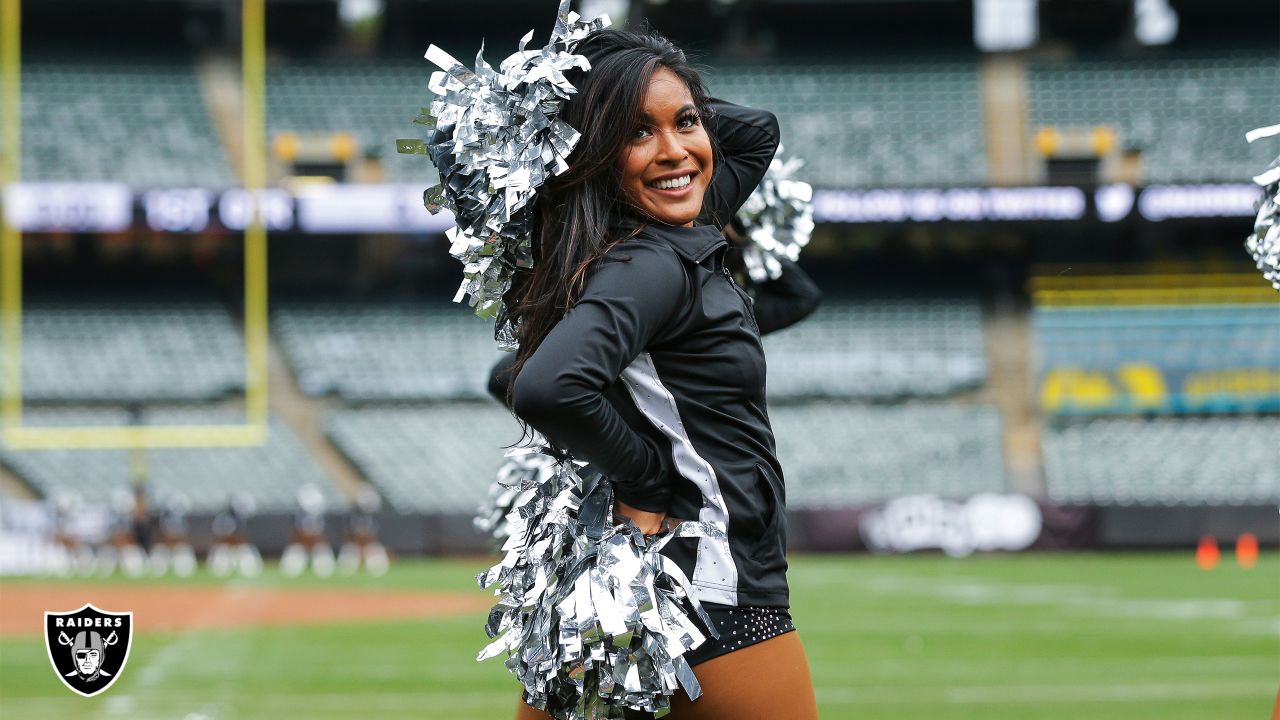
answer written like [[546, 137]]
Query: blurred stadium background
[[1041, 341]]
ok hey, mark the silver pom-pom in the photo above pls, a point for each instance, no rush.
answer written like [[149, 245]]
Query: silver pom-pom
[[524, 468], [495, 137], [778, 218], [593, 618], [1264, 243]]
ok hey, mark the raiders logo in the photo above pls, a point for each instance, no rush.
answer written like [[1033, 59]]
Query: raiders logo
[[88, 647]]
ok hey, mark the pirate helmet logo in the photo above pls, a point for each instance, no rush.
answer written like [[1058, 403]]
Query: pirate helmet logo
[[88, 647]]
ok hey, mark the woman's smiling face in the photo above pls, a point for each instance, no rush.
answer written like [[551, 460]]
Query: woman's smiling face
[[667, 166]]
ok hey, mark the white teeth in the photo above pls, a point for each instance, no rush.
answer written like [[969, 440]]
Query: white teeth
[[673, 183]]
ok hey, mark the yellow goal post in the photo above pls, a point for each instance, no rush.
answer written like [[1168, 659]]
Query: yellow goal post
[[253, 431]]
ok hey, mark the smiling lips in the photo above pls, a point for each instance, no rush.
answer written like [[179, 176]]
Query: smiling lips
[[675, 183]]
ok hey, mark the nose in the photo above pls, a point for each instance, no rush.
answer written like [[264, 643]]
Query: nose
[[670, 148]]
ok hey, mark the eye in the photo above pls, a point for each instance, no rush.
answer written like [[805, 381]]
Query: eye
[[641, 133], [687, 120]]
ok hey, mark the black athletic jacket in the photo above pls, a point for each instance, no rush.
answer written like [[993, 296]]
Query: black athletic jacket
[[778, 304], [657, 378]]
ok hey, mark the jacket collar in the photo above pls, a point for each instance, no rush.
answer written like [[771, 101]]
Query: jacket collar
[[695, 244]]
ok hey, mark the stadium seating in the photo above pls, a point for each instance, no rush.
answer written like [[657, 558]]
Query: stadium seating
[[841, 454], [272, 473], [858, 121], [1194, 461], [376, 101], [880, 348], [94, 474], [137, 120], [1182, 337], [428, 459], [1171, 358], [387, 351], [849, 348], [1187, 113], [130, 351], [886, 117], [440, 458], [861, 122]]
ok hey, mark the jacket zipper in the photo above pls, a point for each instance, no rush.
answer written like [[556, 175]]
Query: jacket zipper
[[747, 302]]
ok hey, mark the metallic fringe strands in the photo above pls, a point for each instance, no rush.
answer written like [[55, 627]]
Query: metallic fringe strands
[[778, 218], [495, 136], [525, 467], [593, 619], [1264, 243]]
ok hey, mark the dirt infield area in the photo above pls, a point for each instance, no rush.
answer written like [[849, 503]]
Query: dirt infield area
[[215, 607]]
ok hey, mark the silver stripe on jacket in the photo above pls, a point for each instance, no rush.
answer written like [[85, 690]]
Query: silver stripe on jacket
[[714, 574]]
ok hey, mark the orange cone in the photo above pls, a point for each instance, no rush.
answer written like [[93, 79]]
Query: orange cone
[[1247, 550], [1207, 554]]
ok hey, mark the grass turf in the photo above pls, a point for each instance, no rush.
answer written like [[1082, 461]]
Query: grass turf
[[1115, 636]]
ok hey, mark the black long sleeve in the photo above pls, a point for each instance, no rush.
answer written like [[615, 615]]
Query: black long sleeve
[[787, 300], [500, 377], [747, 138], [779, 304], [560, 389]]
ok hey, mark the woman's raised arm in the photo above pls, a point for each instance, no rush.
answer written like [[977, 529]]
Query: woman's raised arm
[[748, 139], [786, 300]]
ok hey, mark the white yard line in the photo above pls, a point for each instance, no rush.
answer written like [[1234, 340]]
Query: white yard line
[[1002, 694], [1095, 600], [989, 666], [142, 680]]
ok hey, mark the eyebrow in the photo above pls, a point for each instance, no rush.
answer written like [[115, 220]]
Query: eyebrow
[[681, 111]]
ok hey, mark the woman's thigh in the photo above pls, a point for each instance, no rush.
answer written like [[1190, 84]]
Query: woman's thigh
[[524, 712], [765, 681]]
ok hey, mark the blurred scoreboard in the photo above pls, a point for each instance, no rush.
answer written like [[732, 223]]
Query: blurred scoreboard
[[331, 207]]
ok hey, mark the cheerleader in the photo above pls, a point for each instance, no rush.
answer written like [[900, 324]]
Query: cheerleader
[[362, 545], [308, 542], [231, 550], [174, 545], [640, 354]]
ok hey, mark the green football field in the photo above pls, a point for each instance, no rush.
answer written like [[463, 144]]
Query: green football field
[[1021, 637]]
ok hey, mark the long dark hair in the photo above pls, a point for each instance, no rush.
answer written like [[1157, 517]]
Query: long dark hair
[[578, 214]]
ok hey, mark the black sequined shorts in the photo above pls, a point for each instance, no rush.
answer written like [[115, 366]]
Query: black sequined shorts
[[739, 626]]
